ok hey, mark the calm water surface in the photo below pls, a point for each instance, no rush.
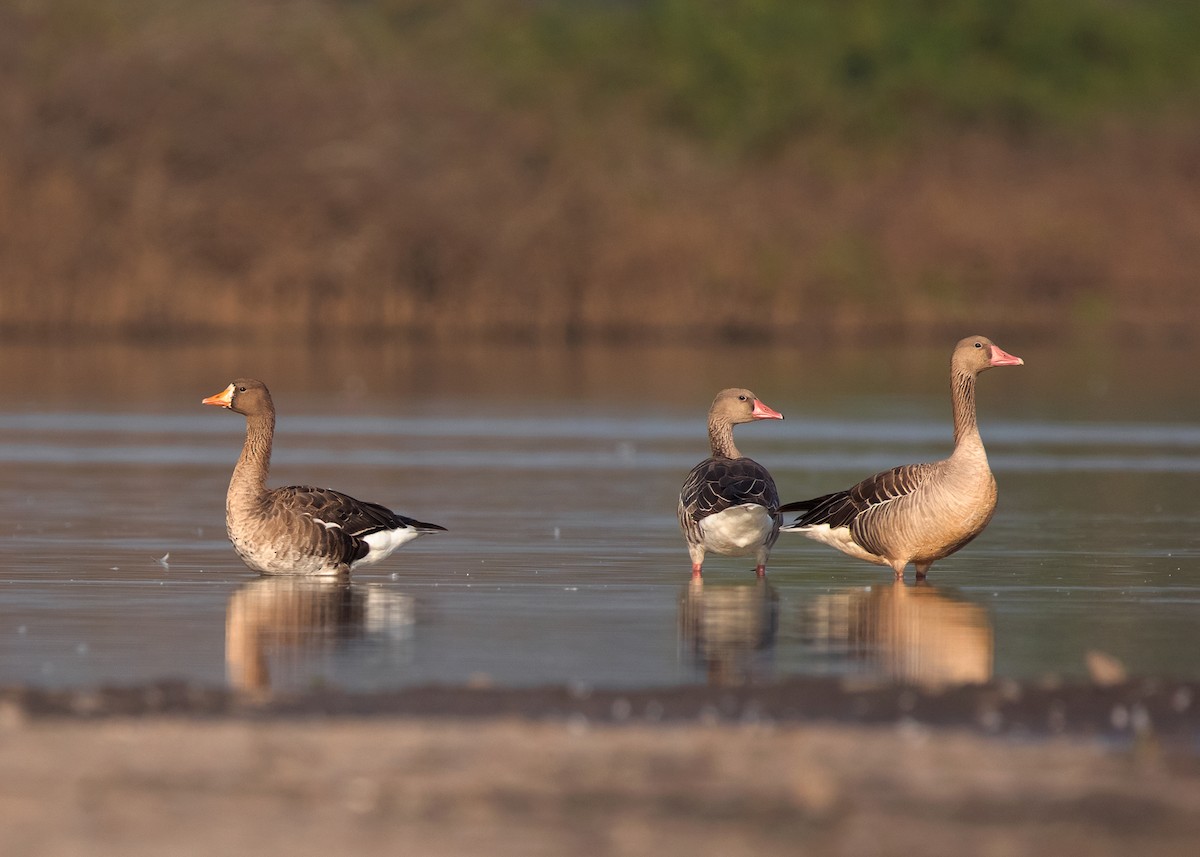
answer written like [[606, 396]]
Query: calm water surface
[[556, 472]]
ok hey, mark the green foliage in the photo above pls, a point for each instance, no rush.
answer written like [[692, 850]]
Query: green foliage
[[751, 75], [754, 73]]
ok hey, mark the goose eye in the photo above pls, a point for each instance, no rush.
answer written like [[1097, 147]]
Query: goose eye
[[741, 398], [979, 345], [241, 389]]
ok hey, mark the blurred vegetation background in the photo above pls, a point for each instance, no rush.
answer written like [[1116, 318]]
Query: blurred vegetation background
[[617, 170]]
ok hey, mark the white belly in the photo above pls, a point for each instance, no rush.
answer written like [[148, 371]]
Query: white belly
[[737, 531]]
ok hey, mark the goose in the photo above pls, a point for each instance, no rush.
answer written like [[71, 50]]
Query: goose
[[917, 513], [298, 529], [728, 503]]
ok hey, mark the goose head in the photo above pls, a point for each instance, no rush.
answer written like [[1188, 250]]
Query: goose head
[[737, 405], [245, 396], [978, 353]]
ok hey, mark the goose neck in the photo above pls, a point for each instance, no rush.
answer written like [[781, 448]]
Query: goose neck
[[250, 473], [962, 391], [720, 438]]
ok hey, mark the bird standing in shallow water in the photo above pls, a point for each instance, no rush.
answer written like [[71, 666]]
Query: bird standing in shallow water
[[917, 513], [728, 503], [298, 529]]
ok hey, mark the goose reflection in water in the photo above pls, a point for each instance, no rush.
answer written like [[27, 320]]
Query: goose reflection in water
[[911, 634], [291, 622], [729, 630]]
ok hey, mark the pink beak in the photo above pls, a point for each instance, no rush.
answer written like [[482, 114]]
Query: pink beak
[[762, 412], [1001, 357]]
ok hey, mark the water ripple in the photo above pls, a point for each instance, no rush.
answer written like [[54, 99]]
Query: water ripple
[[1046, 433]]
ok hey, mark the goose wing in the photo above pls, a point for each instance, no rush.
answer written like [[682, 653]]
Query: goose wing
[[716, 484], [356, 518], [842, 508]]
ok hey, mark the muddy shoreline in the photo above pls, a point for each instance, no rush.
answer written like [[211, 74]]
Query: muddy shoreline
[[802, 765], [1165, 709]]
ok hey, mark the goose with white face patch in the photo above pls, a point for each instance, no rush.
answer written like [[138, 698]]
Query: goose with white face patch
[[298, 529], [729, 504], [917, 513]]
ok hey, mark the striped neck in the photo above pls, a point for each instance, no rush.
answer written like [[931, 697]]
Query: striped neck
[[962, 394], [250, 474], [720, 438]]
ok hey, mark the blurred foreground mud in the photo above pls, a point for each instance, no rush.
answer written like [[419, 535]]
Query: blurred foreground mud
[[1003, 768]]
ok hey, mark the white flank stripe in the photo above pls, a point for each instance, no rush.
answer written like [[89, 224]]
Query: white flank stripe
[[384, 542], [839, 538]]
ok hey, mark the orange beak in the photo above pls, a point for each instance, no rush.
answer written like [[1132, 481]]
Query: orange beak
[[222, 399], [762, 412]]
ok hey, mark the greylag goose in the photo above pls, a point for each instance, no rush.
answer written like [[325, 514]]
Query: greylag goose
[[917, 513], [298, 529], [729, 503]]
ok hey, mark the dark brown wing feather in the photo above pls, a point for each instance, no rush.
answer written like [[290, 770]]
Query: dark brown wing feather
[[356, 517], [294, 504], [716, 484], [841, 508], [353, 518]]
